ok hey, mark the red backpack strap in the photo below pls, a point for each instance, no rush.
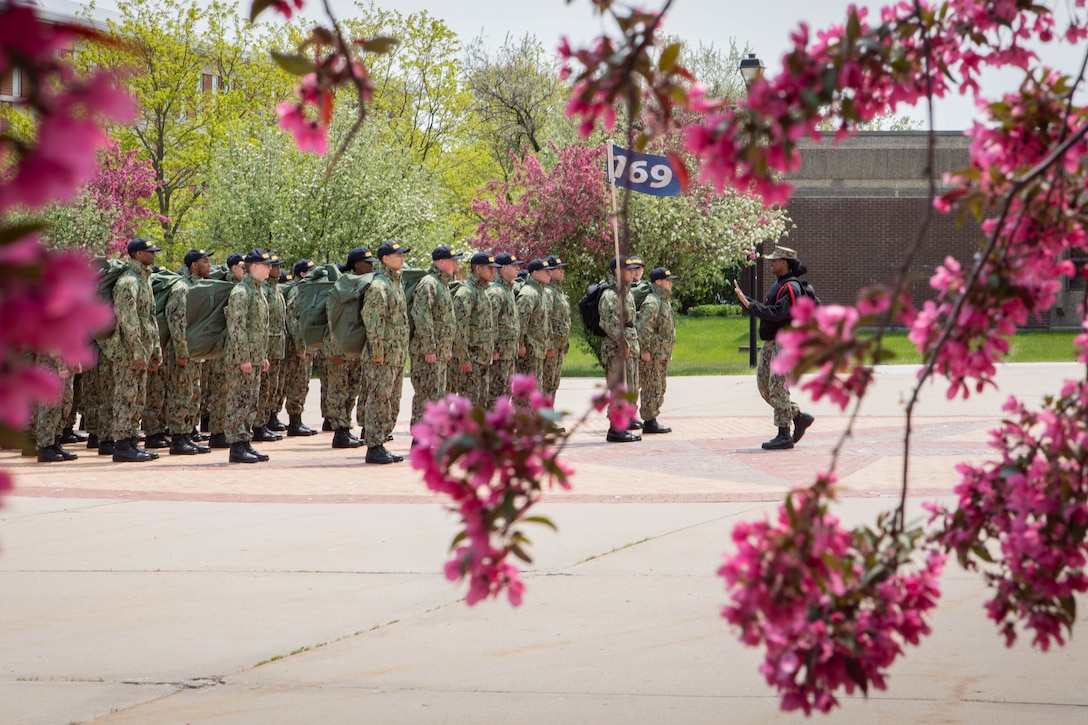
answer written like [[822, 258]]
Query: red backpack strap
[[793, 297]]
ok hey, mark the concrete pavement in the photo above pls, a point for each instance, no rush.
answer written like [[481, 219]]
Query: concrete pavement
[[309, 589]]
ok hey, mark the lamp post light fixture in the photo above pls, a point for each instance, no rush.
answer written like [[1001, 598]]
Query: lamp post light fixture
[[751, 69]]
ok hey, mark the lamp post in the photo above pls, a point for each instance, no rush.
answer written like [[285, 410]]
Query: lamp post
[[751, 70]]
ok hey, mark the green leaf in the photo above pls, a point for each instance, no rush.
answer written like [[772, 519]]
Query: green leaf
[[542, 520], [981, 552], [669, 57], [461, 536], [296, 65], [259, 6], [380, 45], [520, 553]]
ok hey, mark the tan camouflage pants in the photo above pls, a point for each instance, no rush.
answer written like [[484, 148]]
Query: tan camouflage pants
[[773, 387], [129, 401], [296, 382], [652, 378], [343, 387], [384, 384], [243, 394], [428, 383], [553, 371], [182, 393], [217, 396], [271, 391], [534, 366], [615, 365], [154, 418], [46, 421], [498, 380], [473, 385]]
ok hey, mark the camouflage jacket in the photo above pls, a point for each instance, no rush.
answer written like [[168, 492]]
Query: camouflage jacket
[[385, 315], [175, 314], [277, 319], [431, 319], [247, 324], [294, 342], [504, 308], [533, 312], [656, 329], [474, 338], [609, 308], [558, 317], [136, 336]]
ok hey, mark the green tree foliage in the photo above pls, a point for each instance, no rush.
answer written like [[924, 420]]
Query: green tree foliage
[[517, 98], [194, 68], [263, 192]]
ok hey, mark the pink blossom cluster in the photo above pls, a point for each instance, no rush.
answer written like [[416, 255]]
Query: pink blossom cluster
[[832, 607], [1022, 520], [493, 465], [120, 184], [823, 342], [309, 129], [71, 112], [48, 301], [538, 212], [620, 404]]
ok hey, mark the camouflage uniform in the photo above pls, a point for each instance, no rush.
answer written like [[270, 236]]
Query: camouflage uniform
[[430, 330], [507, 338], [559, 324], [656, 336], [535, 329], [182, 381], [344, 382], [272, 381], [385, 315], [296, 370], [155, 413], [609, 308], [46, 420], [247, 341], [136, 337], [93, 420], [473, 341], [216, 395], [773, 387]]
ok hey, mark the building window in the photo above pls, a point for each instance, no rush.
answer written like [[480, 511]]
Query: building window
[[11, 87]]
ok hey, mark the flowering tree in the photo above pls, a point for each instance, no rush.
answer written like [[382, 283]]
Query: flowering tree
[[834, 607], [47, 299], [1024, 512]]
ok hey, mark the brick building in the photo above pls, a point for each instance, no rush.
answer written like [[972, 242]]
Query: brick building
[[859, 206]]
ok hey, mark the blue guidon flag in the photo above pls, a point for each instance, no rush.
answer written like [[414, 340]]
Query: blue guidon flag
[[644, 173]]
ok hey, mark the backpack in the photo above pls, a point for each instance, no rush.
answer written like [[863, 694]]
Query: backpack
[[109, 271], [807, 290], [640, 291], [589, 309], [409, 279], [205, 318], [342, 307], [312, 294], [161, 283]]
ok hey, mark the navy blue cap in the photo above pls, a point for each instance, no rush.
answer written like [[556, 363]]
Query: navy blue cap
[[258, 256], [235, 258], [485, 259], [662, 273], [505, 258], [392, 248], [193, 255], [360, 254], [555, 262], [142, 244], [538, 264], [303, 265], [444, 252]]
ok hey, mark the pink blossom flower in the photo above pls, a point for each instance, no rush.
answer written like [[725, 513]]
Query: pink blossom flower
[[310, 136]]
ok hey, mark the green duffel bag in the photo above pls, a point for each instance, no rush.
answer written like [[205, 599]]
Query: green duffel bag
[[342, 307], [312, 294], [206, 320]]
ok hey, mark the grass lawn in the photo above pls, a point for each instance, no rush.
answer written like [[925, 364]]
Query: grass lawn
[[711, 346]]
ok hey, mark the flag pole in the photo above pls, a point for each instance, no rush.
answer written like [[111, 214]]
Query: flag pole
[[621, 292]]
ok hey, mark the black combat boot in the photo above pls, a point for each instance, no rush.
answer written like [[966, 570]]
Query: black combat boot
[[343, 438], [64, 452], [621, 436], [198, 437], [378, 454], [49, 454], [157, 440], [261, 434], [182, 445], [240, 454], [219, 440], [635, 424], [652, 426], [195, 438], [801, 424], [326, 426], [274, 424], [92, 441], [106, 448], [781, 442], [125, 451], [151, 454], [296, 428], [254, 451], [69, 435], [204, 424]]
